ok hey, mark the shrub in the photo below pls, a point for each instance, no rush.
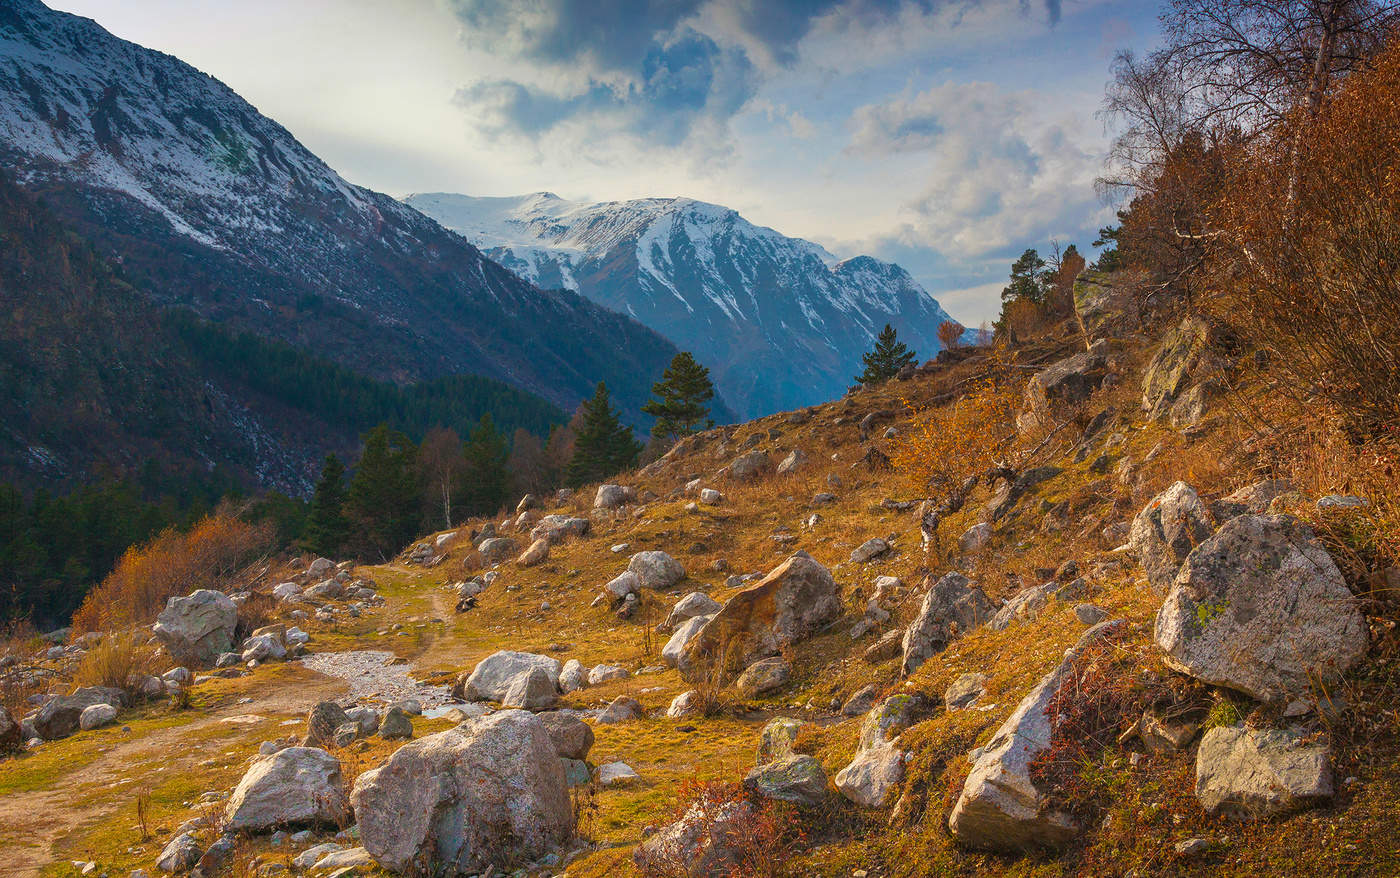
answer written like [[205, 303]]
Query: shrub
[[1312, 217], [118, 660], [174, 563], [762, 844]]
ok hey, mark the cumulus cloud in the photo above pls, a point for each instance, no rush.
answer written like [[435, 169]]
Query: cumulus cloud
[[660, 69], [994, 169]]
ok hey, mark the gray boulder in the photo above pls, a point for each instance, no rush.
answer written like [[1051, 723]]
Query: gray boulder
[[1165, 532], [491, 678], [796, 779], [573, 676], [697, 603], [95, 716], [1261, 608], [11, 735], [964, 691], [196, 629], [321, 723], [685, 705], [611, 496], [776, 740], [572, 737], [555, 528], [656, 570], [952, 607], [533, 689], [294, 786], [702, 844], [676, 646], [396, 725], [747, 467], [60, 717], [869, 550], [606, 674], [1000, 807], [497, 549], [763, 677], [486, 794], [1251, 773], [975, 538], [1061, 385], [538, 553], [872, 776], [622, 709], [792, 602], [1182, 358], [180, 855], [888, 720]]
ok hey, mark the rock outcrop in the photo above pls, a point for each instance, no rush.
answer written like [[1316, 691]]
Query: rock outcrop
[[1166, 530], [1251, 773], [952, 607]]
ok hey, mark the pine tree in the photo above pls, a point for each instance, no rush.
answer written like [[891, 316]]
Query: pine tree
[[385, 499], [888, 357], [484, 477], [1029, 279], [327, 528], [603, 445], [681, 397]]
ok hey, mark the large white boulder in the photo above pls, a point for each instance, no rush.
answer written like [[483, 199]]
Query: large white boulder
[[1000, 806], [485, 794], [1256, 773], [697, 603], [493, 675], [675, 647], [197, 629], [656, 570], [1261, 608], [533, 689], [611, 496], [296, 785]]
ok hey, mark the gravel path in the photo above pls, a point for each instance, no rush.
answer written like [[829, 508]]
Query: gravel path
[[375, 675]]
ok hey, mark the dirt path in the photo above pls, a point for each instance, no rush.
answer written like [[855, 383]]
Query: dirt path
[[35, 823]]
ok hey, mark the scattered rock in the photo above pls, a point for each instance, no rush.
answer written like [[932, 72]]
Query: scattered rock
[[1261, 608], [60, 717], [685, 705], [793, 462], [497, 549], [536, 554], [869, 550], [95, 716], [748, 466], [180, 855], [606, 673], [790, 603], [1089, 614], [532, 690], [491, 678], [1165, 532], [1000, 807], [622, 709], [1252, 773], [616, 774], [483, 795], [704, 843], [975, 538], [861, 701], [764, 676], [396, 725], [656, 570], [1062, 385], [612, 496], [573, 677], [676, 646], [571, 736], [197, 628], [322, 722], [777, 739], [965, 691], [872, 776], [697, 603], [312, 855], [711, 497], [952, 607], [298, 785], [796, 779]]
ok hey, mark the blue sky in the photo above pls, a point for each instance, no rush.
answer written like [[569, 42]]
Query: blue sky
[[946, 135]]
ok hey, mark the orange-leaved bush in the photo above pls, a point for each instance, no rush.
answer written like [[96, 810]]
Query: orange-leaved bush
[[173, 563]]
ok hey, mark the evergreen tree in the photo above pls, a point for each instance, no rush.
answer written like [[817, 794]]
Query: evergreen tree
[[385, 497], [1029, 279], [888, 357], [603, 445], [327, 528], [485, 479], [681, 399]]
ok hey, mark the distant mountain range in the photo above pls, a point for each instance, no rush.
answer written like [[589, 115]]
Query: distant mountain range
[[210, 207], [780, 321]]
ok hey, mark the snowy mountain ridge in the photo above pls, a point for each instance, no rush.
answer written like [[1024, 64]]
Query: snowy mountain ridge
[[737, 294]]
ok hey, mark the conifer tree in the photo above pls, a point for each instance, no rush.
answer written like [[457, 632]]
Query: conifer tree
[[385, 499], [603, 445], [888, 357], [681, 399], [327, 528], [484, 476]]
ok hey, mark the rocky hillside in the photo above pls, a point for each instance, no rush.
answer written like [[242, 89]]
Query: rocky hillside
[[1135, 644], [213, 206], [780, 321]]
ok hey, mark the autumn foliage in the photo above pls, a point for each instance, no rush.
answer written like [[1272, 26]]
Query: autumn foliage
[[174, 563]]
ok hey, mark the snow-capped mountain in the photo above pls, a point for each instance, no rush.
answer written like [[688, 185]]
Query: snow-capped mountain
[[211, 206], [780, 321]]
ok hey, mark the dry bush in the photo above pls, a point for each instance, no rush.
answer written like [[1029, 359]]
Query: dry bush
[[118, 660], [763, 844], [174, 563], [950, 333], [254, 613], [1312, 219], [1022, 319]]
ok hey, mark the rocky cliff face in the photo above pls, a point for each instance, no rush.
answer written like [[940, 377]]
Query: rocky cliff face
[[780, 321], [214, 206]]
